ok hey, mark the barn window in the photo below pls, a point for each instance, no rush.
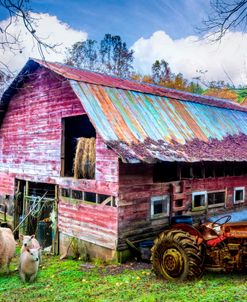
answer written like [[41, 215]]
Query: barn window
[[199, 200], [239, 194], [198, 170], [216, 199], [89, 197], [229, 169], [160, 205], [186, 171], [78, 147], [179, 203], [65, 192], [165, 172], [219, 169], [238, 169], [76, 194]]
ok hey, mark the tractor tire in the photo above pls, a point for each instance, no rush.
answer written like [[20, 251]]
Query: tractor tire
[[176, 256]]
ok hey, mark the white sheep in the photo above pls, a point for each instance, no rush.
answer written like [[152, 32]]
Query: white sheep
[[30, 242], [29, 265], [7, 247]]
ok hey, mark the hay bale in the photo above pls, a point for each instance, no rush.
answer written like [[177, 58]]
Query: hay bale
[[84, 162]]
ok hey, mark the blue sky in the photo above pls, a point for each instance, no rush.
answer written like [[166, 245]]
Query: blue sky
[[131, 19], [154, 29]]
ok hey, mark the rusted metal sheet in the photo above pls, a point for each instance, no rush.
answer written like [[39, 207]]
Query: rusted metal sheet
[[116, 82], [145, 127]]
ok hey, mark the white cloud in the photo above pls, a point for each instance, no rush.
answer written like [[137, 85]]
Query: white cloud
[[52, 30], [189, 54]]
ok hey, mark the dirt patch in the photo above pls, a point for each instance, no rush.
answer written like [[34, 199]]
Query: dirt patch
[[118, 268]]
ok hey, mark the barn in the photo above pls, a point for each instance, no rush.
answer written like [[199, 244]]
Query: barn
[[110, 161]]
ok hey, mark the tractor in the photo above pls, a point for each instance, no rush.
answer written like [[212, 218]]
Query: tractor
[[184, 251]]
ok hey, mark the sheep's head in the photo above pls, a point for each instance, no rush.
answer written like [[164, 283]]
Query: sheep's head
[[27, 241], [34, 253]]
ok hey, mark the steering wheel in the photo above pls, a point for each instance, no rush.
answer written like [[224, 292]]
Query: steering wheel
[[226, 217]]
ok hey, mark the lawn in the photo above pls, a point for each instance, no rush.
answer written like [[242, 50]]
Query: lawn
[[73, 281]]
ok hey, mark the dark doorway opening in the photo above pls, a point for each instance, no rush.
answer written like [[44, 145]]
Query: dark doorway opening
[[35, 210], [73, 128]]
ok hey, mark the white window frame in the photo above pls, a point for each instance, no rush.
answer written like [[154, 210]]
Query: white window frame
[[234, 196], [218, 204], [164, 198], [193, 200]]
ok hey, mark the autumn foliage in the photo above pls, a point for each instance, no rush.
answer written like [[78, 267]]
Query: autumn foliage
[[222, 93], [163, 76]]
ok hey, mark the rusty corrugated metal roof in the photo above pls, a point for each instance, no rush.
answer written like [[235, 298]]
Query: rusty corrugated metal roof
[[90, 77], [147, 123], [147, 127]]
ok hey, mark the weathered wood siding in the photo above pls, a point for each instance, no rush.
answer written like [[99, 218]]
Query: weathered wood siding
[[30, 136], [215, 184], [7, 183], [136, 187], [93, 223], [31, 129], [30, 149]]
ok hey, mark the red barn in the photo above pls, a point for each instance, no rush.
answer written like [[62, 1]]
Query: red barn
[[155, 153]]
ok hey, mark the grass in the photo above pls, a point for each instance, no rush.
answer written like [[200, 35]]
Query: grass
[[71, 281]]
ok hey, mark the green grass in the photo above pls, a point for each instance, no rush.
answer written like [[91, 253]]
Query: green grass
[[68, 281]]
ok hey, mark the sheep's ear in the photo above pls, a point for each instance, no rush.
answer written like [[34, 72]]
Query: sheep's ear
[[33, 236], [21, 236]]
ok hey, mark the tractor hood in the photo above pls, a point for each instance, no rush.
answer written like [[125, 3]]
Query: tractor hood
[[237, 216]]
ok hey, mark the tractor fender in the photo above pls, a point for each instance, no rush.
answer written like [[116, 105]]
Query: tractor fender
[[190, 229]]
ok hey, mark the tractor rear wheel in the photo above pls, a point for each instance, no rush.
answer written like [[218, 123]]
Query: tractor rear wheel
[[176, 256]]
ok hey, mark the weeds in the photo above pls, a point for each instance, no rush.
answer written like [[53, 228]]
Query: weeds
[[74, 281]]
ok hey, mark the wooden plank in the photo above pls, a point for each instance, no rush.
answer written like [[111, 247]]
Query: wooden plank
[[31, 147], [93, 223]]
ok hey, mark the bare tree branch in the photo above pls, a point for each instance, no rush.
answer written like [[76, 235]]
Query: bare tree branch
[[226, 15], [19, 14]]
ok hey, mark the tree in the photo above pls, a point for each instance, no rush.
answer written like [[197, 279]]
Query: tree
[[222, 93], [161, 72], [83, 55], [111, 56], [18, 10], [115, 56], [163, 76], [226, 15]]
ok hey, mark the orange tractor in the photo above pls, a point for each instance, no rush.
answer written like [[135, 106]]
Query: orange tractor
[[183, 252]]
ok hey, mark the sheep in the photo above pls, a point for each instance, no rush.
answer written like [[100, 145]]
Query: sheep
[[29, 264], [7, 247], [30, 242]]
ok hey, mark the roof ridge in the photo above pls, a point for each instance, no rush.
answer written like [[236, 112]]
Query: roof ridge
[[136, 82], [101, 79]]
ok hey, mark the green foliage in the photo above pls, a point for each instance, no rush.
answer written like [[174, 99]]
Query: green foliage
[[161, 72], [195, 88], [68, 281], [83, 54], [163, 76], [242, 94], [110, 56]]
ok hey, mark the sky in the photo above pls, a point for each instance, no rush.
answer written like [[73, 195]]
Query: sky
[[154, 29]]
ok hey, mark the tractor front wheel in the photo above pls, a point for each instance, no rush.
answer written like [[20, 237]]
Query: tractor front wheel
[[176, 256]]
